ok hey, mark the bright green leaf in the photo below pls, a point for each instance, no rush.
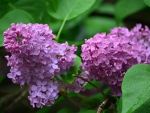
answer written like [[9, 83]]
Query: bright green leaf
[[14, 16], [147, 2], [125, 8], [136, 88], [68, 9]]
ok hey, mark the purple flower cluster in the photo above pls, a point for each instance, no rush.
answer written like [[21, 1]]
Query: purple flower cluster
[[107, 57], [43, 92], [35, 59]]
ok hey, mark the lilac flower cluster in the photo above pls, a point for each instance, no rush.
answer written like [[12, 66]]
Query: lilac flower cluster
[[35, 59], [107, 57], [43, 92]]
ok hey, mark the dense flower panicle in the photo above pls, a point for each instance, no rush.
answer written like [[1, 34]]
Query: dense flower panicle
[[34, 55], [40, 56], [20, 36], [107, 57], [43, 92]]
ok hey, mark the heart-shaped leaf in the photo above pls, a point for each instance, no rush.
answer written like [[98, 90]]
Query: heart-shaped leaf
[[125, 8], [68, 9], [147, 2], [136, 90]]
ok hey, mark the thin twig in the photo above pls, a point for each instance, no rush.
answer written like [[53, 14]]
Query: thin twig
[[8, 97], [101, 106], [17, 99], [91, 84]]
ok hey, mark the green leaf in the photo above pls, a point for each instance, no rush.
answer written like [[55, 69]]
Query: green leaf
[[119, 105], [68, 9], [144, 108], [107, 8], [89, 86], [34, 7], [95, 25], [147, 2], [136, 88], [67, 76], [88, 111], [4, 8], [125, 8], [14, 16]]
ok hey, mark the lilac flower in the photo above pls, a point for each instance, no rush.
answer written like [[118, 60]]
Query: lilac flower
[[107, 57], [39, 56], [43, 92], [36, 56]]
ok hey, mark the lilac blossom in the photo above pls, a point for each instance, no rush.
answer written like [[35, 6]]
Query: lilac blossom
[[39, 56], [108, 57], [36, 56], [43, 93]]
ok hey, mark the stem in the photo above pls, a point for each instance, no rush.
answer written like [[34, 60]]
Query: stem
[[18, 98], [62, 25], [91, 84], [101, 106], [10, 96], [19, 94]]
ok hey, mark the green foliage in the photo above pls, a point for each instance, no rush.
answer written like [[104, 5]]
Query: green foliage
[[96, 83], [144, 108], [68, 76], [98, 24], [14, 16], [119, 105], [36, 8], [68, 9], [3, 5], [125, 8], [147, 2], [136, 89], [107, 9]]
